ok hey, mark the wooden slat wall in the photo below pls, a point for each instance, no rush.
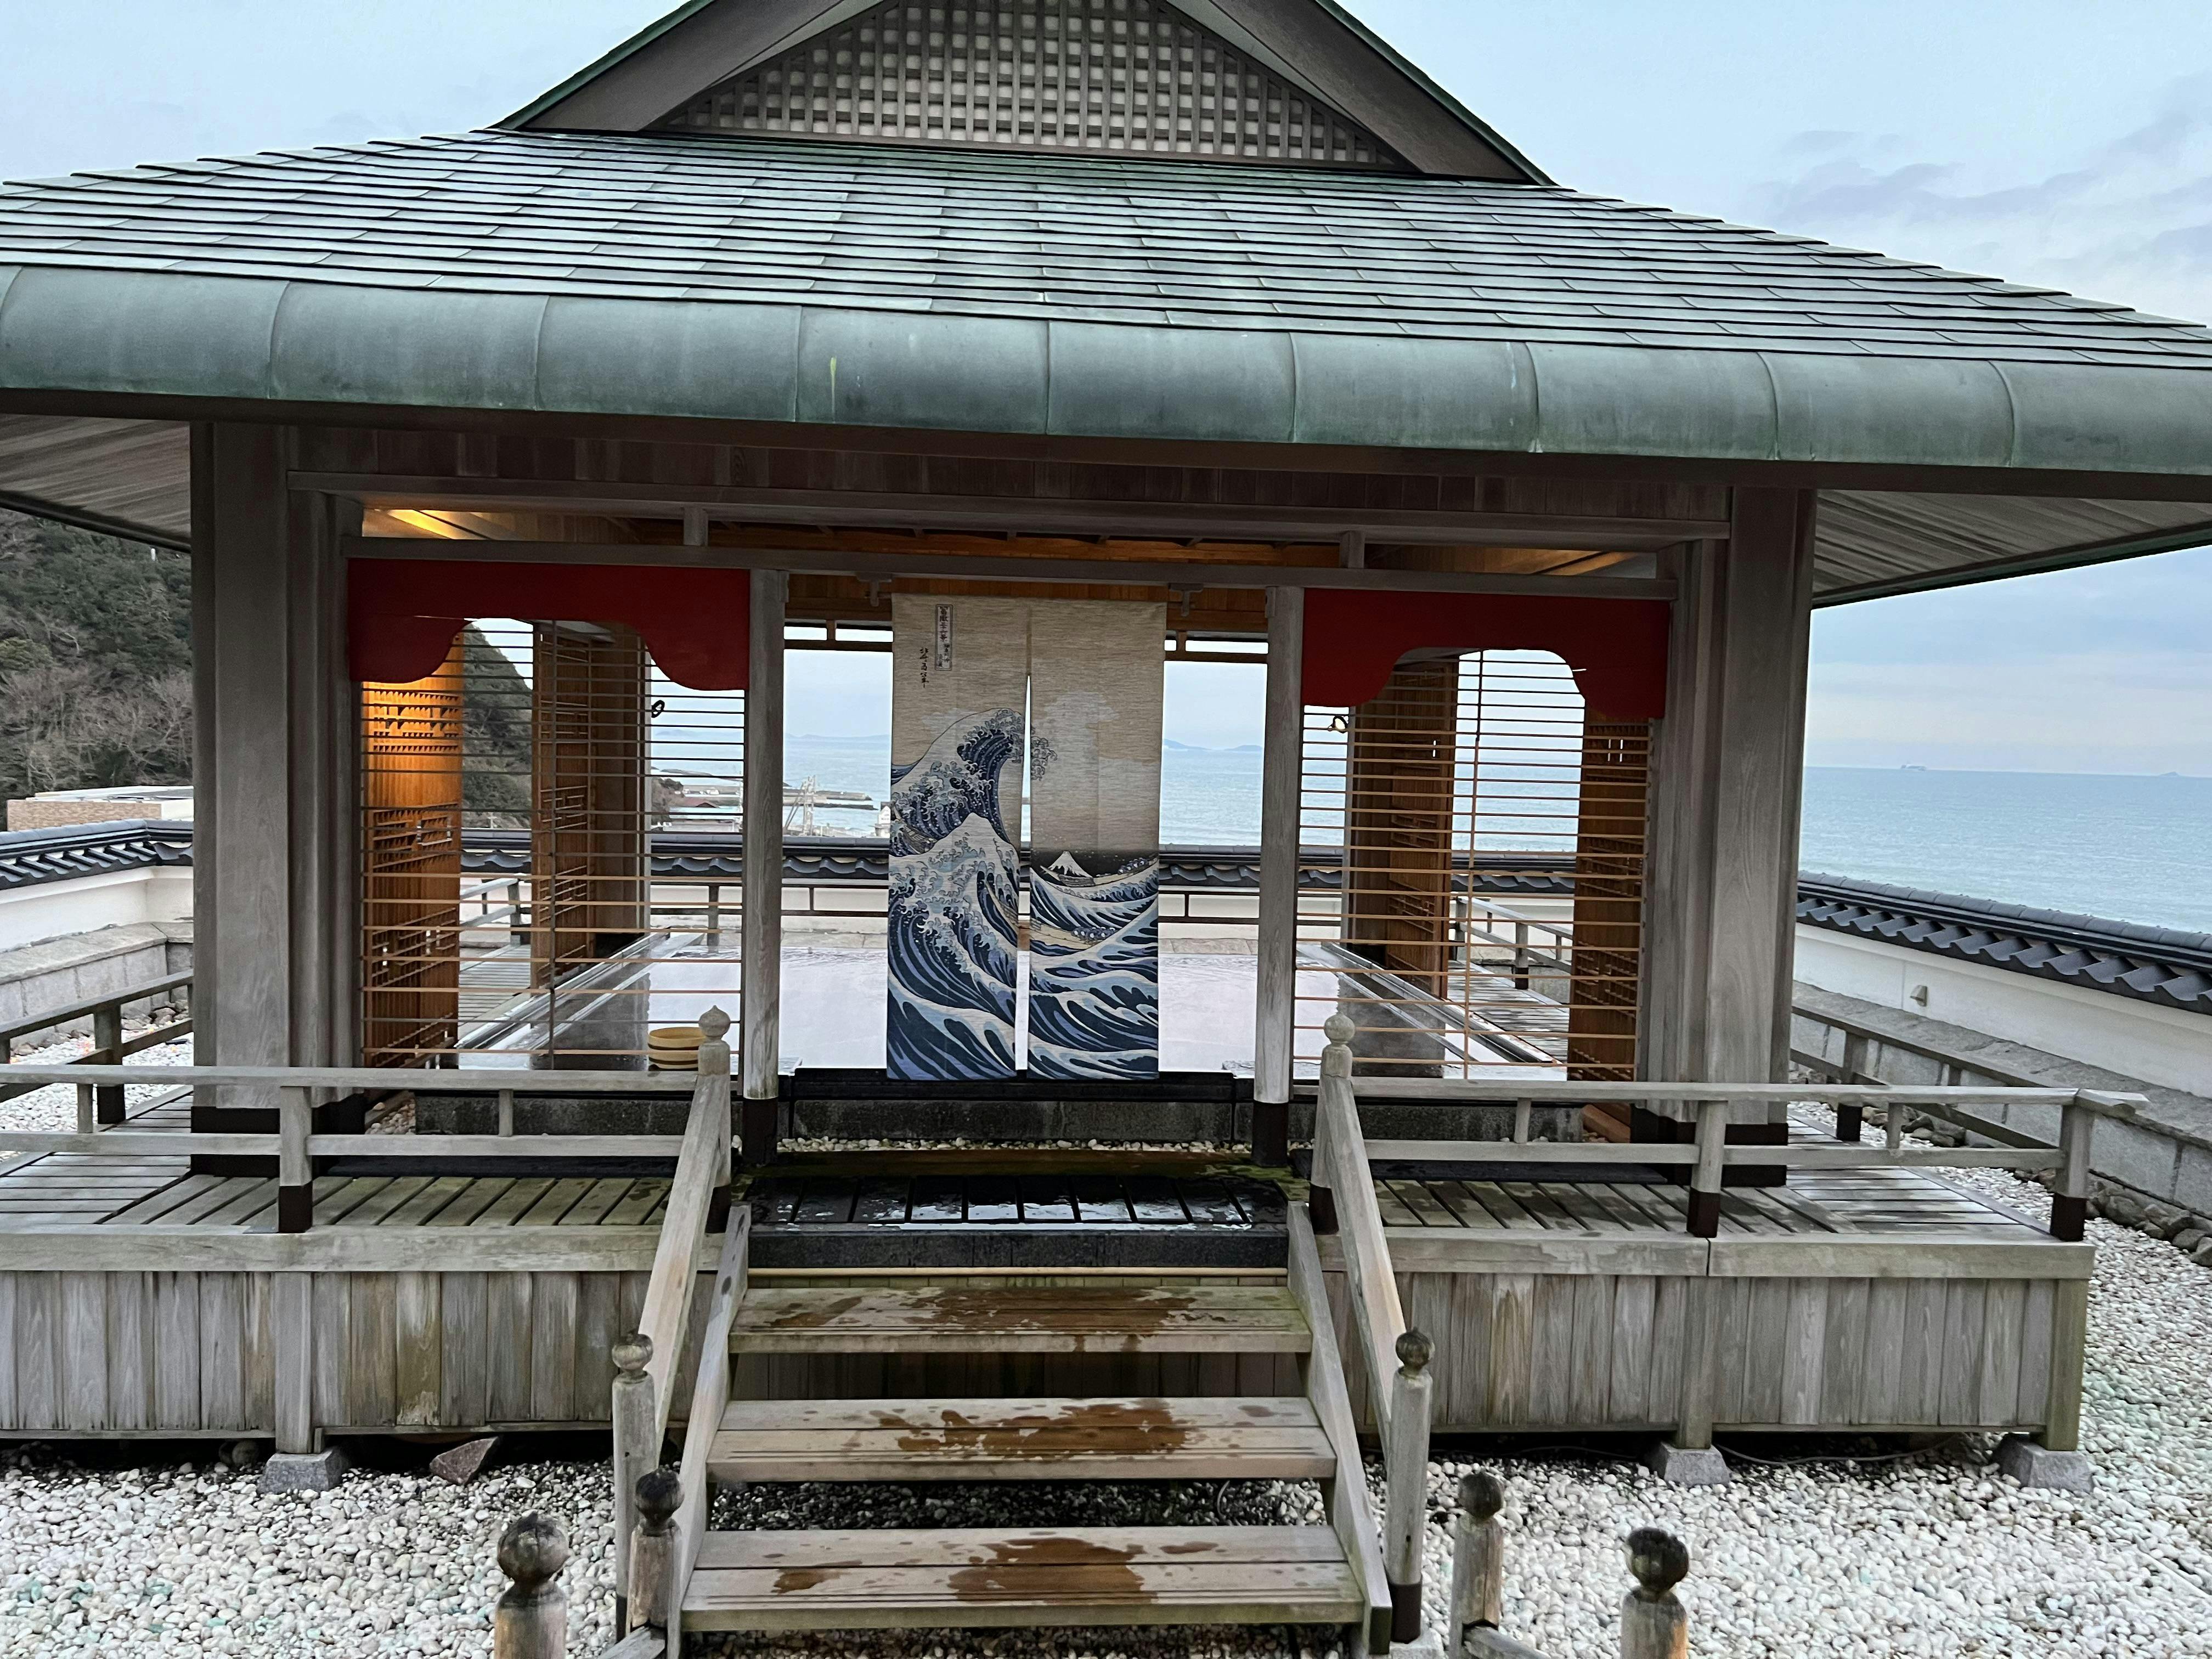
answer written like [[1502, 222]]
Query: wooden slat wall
[[190, 1353], [1600, 1351], [411, 792]]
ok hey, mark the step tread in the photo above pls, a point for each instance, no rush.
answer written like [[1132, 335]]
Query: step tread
[[995, 1439], [978, 1576], [990, 1319]]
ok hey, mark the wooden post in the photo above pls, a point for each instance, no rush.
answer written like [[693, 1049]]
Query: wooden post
[[652, 1582], [1478, 1582], [107, 1050], [1406, 1466], [636, 1451], [1851, 1119], [88, 1121], [1728, 772], [2069, 1194], [1653, 1624], [532, 1618], [276, 771], [2070, 1343], [761, 950], [714, 1095], [1282, 760], [507, 1111], [1706, 1182], [295, 1176]]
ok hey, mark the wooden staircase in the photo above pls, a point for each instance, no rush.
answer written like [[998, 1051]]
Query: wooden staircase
[[1061, 1575]]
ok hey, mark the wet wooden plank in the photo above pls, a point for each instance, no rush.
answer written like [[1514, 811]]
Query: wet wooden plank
[[418, 1315], [1843, 1355], [1628, 1380], [1022, 1438], [1019, 1319]]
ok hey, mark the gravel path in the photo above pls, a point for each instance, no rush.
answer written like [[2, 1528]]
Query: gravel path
[[1936, 1555], [53, 1109]]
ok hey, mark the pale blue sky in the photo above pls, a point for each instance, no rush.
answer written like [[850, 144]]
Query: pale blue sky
[[2031, 139]]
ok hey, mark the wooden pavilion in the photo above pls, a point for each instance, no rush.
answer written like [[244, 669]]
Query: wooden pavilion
[[511, 464]]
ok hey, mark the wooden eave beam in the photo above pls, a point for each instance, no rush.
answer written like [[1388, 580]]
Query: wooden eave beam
[[1121, 572], [1028, 515]]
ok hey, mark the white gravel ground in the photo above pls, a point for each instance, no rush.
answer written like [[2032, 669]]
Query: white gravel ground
[[53, 1109], [1935, 1555]]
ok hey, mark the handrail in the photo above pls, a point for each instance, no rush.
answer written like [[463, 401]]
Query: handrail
[[444, 1079], [1707, 1153], [1396, 1358], [103, 1102], [698, 1201]]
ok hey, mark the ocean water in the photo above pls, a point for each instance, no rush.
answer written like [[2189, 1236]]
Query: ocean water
[[2131, 848]]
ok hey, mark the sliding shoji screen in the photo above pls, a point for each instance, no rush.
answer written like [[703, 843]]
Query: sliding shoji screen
[[550, 840], [1483, 842]]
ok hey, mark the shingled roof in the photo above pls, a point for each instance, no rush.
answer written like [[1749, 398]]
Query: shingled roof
[[718, 276]]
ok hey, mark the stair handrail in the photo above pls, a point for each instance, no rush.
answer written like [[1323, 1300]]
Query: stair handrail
[[1394, 1358], [648, 1360]]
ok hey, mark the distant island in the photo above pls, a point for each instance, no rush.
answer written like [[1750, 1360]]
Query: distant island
[[1200, 748]]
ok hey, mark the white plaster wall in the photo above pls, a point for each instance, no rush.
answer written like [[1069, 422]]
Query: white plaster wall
[[2163, 1046], [116, 898]]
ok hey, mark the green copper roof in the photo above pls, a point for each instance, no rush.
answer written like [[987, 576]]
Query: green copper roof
[[701, 276]]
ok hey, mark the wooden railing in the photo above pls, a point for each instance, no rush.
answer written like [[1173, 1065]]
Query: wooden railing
[[1394, 1358], [1708, 1154], [646, 1362], [296, 1090], [100, 1102]]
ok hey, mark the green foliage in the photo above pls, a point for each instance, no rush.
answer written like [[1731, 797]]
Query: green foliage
[[495, 736], [96, 660]]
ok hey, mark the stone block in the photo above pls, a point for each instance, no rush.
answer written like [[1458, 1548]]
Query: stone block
[[304, 1471], [1687, 1466], [2038, 1466]]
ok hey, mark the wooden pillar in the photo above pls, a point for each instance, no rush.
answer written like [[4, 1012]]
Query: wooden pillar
[[273, 869], [762, 948], [1281, 762], [1729, 759]]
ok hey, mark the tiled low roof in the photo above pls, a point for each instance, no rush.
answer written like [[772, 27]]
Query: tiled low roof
[[747, 278], [2154, 965]]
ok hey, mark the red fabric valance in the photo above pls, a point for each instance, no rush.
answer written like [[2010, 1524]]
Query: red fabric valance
[[402, 614], [1618, 648]]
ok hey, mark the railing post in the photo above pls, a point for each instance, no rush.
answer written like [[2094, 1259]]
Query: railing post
[[636, 1449], [1705, 1179], [652, 1583], [1406, 1482], [2069, 1194], [1477, 1582], [1851, 1118], [712, 1094], [532, 1618], [87, 1122], [1653, 1624], [517, 921], [107, 1050], [295, 1176], [713, 910]]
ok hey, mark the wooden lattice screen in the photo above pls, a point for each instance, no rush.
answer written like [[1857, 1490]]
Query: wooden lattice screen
[[1485, 845], [1132, 75], [599, 807], [410, 745]]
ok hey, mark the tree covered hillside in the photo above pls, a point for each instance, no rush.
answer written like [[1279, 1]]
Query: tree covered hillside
[[96, 660]]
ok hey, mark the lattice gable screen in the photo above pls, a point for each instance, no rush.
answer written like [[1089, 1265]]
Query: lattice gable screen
[[1131, 75]]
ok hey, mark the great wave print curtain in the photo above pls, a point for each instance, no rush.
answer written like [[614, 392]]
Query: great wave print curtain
[[960, 671], [1095, 681], [1089, 676]]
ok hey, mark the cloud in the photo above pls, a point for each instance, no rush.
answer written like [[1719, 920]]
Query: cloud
[[2127, 219]]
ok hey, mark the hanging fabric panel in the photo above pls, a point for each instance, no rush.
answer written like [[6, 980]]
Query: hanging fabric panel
[[1096, 676], [959, 680], [411, 893]]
